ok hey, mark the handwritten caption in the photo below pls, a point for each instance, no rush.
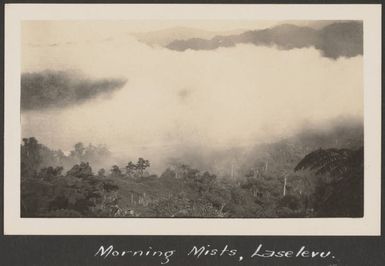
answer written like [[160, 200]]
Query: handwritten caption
[[198, 252]]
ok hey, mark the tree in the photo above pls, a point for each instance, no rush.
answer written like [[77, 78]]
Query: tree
[[82, 170], [102, 172], [50, 173], [254, 185], [242, 204], [130, 169], [78, 152], [115, 171], [78, 194], [290, 206], [342, 194], [141, 165], [31, 158], [204, 182], [219, 195], [137, 170], [36, 195], [180, 206]]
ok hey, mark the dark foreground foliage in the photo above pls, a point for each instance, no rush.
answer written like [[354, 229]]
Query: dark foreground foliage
[[325, 183], [342, 195]]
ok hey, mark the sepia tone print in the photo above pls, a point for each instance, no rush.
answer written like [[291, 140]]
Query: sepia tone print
[[199, 119]]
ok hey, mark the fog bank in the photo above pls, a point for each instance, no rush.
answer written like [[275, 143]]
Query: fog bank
[[228, 97]]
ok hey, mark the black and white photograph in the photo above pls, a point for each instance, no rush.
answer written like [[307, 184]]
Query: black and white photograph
[[192, 119], [225, 119], [157, 133]]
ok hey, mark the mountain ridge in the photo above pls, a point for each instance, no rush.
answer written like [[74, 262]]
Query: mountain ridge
[[341, 39]]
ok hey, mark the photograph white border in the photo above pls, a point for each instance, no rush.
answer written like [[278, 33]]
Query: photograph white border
[[368, 225]]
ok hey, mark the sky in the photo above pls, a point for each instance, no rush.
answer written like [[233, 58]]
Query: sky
[[235, 96]]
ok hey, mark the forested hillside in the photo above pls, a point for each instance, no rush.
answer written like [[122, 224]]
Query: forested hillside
[[314, 174], [334, 40]]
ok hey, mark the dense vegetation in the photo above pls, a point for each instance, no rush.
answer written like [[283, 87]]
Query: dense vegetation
[[287, 181]]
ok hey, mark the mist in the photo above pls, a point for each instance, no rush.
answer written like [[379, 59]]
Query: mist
[[175, 102]]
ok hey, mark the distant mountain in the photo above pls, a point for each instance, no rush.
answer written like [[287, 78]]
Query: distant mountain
[[341, 39], [334, 40], [166, 36]]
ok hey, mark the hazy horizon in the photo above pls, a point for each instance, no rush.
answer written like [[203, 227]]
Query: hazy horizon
[[157, 97]]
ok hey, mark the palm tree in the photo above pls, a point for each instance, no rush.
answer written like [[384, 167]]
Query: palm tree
[[343, 196]]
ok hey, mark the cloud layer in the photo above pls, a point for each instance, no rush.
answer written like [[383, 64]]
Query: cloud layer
[[175, 102], [47, 89]]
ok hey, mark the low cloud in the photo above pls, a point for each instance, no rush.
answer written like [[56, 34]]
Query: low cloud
[[49, 89], [178, 102]]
